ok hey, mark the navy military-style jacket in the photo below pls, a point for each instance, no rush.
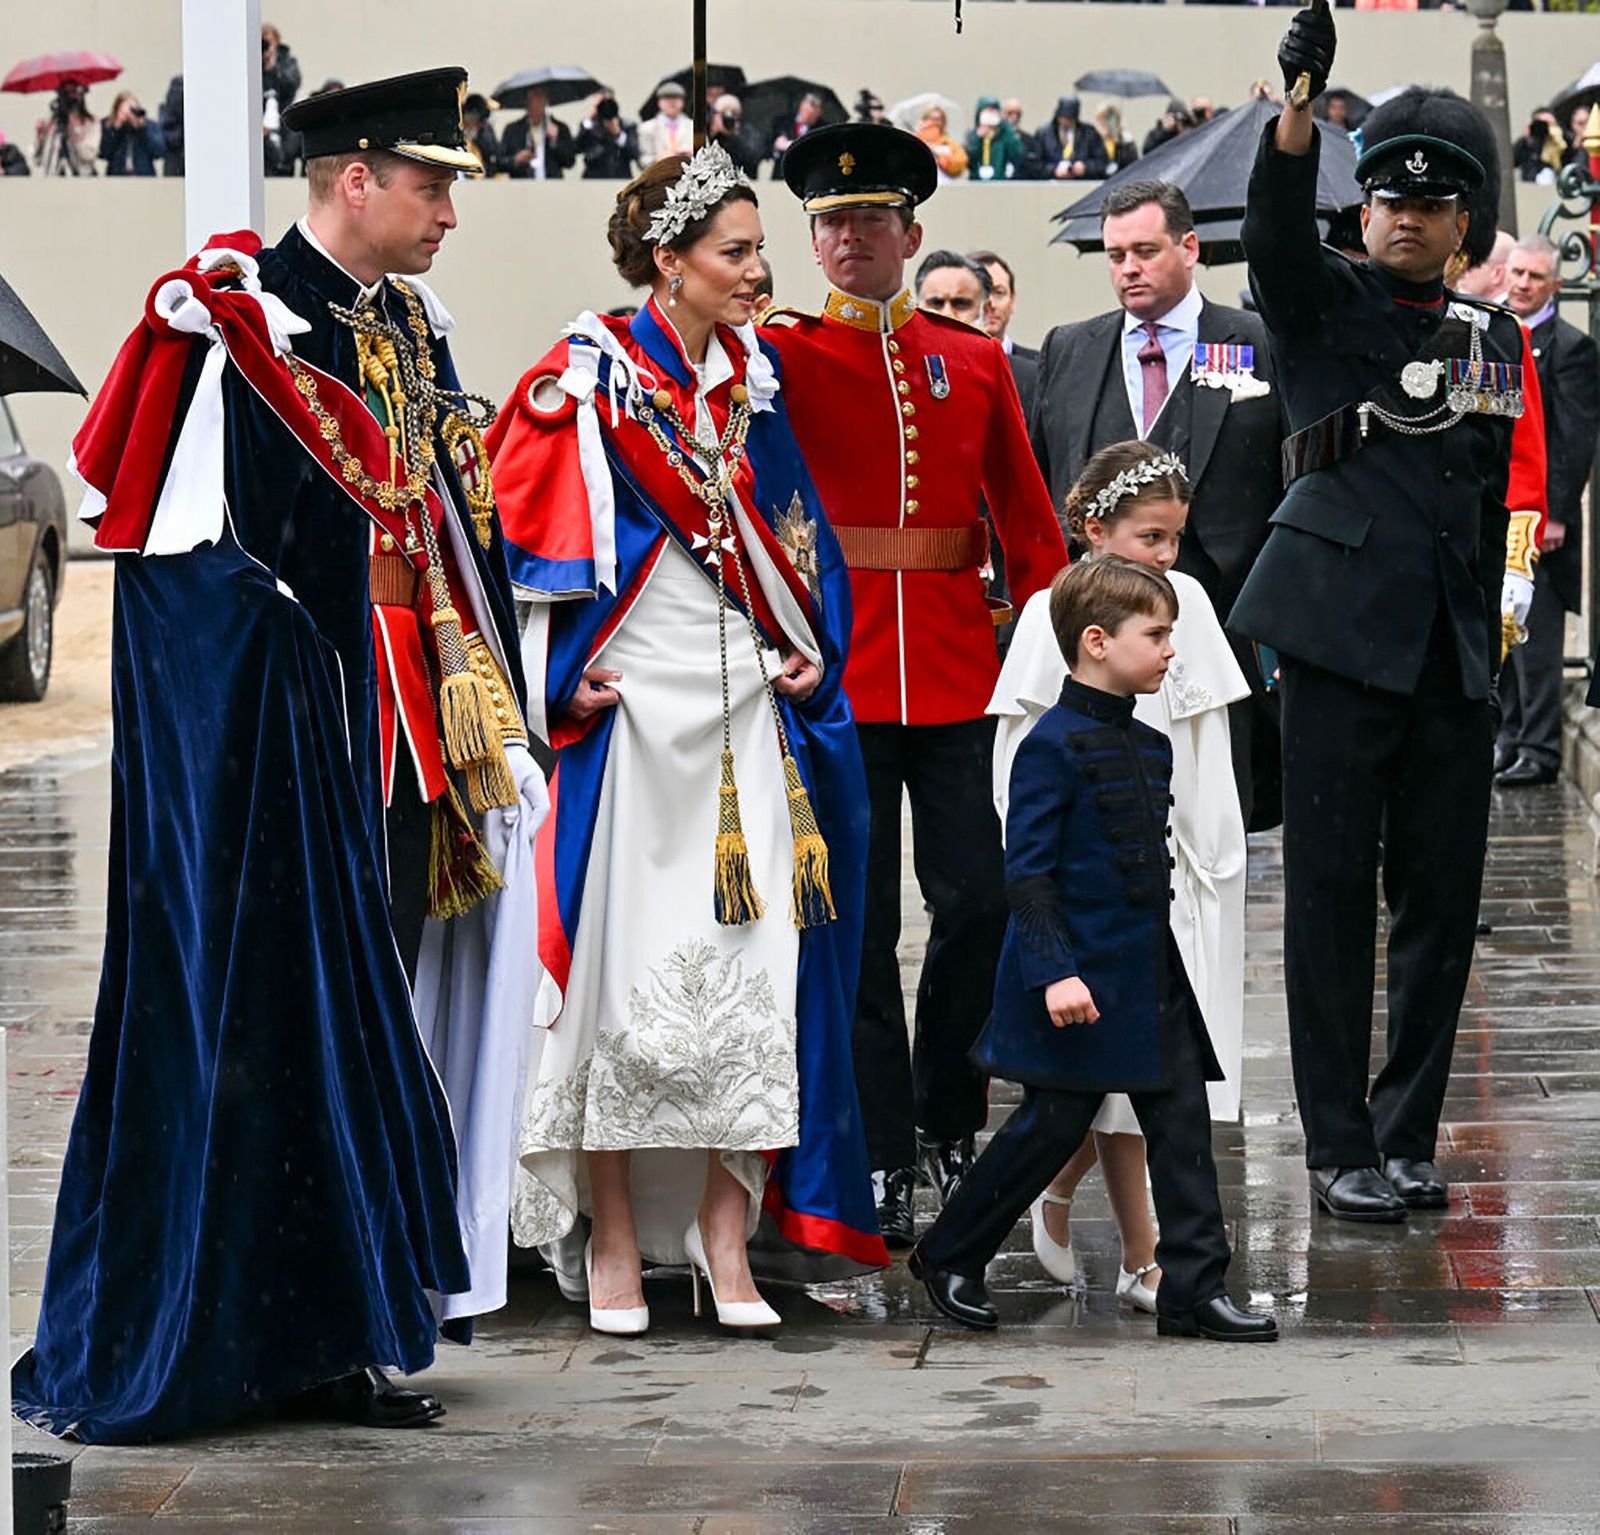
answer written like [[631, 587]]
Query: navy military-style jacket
[[1401, 546], [1087, 880]]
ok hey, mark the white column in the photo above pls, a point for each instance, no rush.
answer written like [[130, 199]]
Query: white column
[[221, 119]]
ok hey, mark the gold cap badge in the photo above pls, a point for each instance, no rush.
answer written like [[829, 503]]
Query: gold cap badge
[[847, 163]]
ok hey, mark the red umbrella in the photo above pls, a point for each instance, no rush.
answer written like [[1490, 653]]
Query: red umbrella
[[51, 71]]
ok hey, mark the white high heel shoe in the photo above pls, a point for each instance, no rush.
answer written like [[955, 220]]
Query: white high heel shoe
[[1132, 1289], [742, 1313], [1057, 1259], [618, 1321]]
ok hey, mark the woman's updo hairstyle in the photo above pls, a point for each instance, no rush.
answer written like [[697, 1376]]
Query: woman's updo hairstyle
[[643, 197], [1152, 474]]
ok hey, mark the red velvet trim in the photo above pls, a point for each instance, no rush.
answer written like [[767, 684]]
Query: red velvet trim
[[555, 952], [824, 1235]]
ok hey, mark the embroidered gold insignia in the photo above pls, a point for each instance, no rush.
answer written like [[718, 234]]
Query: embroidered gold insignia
[[847, 164], [797, 535]]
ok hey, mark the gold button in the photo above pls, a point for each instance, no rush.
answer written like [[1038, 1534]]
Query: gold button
[[907, 408], [899, 367], [386, 543], [903, 387], [500, 714], [894, 346], [912, 482], [911, 453], [911, 431], [911, 506]]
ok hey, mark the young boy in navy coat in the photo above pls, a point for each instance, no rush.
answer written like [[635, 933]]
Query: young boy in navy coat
[[1091, 996]]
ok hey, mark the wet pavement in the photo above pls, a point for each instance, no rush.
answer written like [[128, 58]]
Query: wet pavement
[[1443, 1376]]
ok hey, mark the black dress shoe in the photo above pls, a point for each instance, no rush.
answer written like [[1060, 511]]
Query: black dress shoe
[[1356, 1194], [369, 1398], [1220, 1319], [1417, 1182], [896, 1218], [945, 1163], [961, 1298], [1504, 756], [1526, 773]]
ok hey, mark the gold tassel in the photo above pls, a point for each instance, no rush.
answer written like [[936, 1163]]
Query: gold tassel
[[460, 871], [813, 896], [736, 898], [465, 709], [489, 783]]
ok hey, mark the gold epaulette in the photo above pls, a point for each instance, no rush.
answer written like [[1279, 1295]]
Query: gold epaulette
[[786, 314]]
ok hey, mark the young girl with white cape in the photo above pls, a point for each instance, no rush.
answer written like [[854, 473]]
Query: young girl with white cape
[[1133, 500]]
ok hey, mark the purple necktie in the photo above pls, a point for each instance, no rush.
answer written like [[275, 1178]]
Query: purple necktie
[[1153, 369]]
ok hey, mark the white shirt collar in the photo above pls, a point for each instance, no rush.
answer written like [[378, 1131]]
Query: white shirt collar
[[368, 291], [1534, 321], [1184, 315]]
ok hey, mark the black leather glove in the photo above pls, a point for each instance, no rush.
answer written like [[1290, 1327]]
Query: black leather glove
[[1307, 49]]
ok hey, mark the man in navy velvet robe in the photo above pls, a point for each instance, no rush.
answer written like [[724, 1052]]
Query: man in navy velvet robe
[[258, 1204]]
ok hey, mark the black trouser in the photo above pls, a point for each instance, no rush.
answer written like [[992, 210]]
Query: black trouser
[[947, 771], [408, 828], [1530, 682], [1364, 769], [1030, 1148]]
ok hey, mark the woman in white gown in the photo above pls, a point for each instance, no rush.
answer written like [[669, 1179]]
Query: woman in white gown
[[1132, 500], [703, 862]]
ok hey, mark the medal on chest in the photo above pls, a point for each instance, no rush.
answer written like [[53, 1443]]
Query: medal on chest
[[938, 377]]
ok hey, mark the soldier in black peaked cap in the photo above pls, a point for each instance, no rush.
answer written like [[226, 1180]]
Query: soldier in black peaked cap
[[1380, 588]]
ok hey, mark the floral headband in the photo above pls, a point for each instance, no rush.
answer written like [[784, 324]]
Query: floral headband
[[705, 181], [1130, 481]]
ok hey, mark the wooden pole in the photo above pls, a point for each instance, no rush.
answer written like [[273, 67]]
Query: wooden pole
[[698, 95], [222, 117]]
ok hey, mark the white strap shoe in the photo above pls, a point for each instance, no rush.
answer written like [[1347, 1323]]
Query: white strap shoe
[[618, 1321], [745, 1313], [1057, 1259], [1132, 1289]]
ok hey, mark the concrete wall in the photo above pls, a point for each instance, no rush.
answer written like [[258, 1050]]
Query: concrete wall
[[525, 257]]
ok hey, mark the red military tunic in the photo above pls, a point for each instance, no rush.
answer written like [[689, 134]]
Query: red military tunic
[[907, 420]]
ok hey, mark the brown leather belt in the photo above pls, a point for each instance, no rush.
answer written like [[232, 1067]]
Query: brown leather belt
[[962, 548], [393, 580]]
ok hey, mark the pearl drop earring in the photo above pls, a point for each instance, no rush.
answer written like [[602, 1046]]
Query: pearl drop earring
[[674, 283]]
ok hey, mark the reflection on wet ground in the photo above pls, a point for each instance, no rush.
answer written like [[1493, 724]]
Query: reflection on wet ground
[[1443, 1376]]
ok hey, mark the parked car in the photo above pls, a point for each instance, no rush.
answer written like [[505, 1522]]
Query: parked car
[[33, 561]]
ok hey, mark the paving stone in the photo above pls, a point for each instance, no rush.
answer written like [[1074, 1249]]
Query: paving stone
[[1441, 1375]]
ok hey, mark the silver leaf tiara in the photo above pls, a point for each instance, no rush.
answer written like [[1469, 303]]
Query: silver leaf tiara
[[705, 181], [1131, 480]]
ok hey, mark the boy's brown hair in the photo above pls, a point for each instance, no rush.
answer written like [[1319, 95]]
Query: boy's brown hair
[[1103, 593]]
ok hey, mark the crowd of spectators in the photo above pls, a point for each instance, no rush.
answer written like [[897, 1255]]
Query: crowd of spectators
[[542, 144]]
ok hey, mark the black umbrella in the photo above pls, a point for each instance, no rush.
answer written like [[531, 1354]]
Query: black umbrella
[[1211, 164], [560, 83], [719, 79], [29, 361], [1121, 82], [1356, 106], [766, 101]]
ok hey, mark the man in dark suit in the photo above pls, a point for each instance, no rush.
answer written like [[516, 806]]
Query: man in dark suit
[[1529, 749], [1194, 377], [1068, 148], [537, 146], [997, 321]]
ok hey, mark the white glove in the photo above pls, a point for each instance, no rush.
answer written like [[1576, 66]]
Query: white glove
[[531, 785], [1516, 597]]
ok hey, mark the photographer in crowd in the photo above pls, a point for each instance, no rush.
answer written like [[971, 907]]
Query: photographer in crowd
[[607, 142], [130, 143]]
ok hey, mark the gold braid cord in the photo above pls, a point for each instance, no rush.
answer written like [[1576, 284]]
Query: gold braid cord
[[736, 898], [400, 370]]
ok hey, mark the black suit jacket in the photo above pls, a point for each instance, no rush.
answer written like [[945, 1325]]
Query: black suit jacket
[[1231, 448], [1025, 370], [1568, 363], [559, 157]]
